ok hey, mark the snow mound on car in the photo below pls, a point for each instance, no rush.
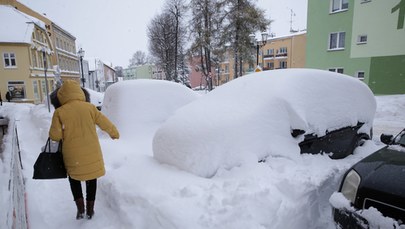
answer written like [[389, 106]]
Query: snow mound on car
[[252, 117], [139, 106]]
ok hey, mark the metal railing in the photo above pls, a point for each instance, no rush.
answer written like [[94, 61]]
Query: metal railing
[[17, 215]]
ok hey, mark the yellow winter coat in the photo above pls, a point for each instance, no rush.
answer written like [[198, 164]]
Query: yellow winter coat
[[75, 123]]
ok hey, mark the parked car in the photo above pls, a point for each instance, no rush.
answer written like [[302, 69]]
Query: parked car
[[377, 181], [284, 112]]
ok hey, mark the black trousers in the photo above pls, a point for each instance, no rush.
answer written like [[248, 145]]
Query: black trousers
[[76, 187]]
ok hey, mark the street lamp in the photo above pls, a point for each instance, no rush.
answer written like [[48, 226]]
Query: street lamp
[[46, 78], [81, 55], [258, 44]]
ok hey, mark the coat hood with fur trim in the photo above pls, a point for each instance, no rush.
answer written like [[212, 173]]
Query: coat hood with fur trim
[[70, 90]]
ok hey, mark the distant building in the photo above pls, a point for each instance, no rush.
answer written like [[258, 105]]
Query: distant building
[[287, 51], [100, 75], [146, 71], [347, 36], [284, 52]]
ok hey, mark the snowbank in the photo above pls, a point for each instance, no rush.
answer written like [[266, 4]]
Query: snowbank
[[252, 117]]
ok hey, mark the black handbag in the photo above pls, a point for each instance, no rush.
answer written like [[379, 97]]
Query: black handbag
[[50, 165]]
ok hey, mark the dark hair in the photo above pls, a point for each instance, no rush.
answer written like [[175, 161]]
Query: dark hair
[[55, 101]]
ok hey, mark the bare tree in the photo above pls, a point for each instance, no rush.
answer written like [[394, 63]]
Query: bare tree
[[166, 34], [177, 8], [119, 71], [161, 39], [139, 58], [205, 27]]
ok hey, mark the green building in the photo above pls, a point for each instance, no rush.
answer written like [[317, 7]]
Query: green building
[[361, 38], [147, 71]]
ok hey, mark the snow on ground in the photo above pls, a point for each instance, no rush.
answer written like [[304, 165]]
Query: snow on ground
[[139, 192]]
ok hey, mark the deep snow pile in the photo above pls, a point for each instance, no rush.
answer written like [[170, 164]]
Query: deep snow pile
[[251, 118], [139, 192]]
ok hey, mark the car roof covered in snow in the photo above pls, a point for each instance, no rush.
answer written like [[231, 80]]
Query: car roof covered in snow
[[252, 117]]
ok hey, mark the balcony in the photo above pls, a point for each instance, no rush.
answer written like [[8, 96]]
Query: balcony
[[268, 56], [281, 55]]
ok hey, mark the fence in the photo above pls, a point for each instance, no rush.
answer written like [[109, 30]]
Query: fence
[[17, 215]]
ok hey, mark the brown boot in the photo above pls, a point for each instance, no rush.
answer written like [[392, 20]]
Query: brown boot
[[80, 208], [90, 209]]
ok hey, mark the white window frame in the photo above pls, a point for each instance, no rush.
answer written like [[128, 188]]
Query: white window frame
[[358, 75], [359, 39], [343, 5], [10, 59], [338, 43], [338, 70]]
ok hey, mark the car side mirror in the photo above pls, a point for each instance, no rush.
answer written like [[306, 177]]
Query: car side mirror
[[386, 138], [297, 132]]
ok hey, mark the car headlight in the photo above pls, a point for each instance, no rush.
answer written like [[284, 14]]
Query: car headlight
[[350, 185]]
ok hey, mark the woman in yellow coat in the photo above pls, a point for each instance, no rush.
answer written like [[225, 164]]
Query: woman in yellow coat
[[74, 122]]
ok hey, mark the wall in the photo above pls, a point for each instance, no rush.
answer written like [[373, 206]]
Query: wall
[[320, 24]]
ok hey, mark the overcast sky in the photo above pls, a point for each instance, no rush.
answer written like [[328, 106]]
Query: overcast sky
[[113, 30]]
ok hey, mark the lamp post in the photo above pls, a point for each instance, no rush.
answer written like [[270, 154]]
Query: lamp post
[[81, 55], [46, 78], [258, 44]]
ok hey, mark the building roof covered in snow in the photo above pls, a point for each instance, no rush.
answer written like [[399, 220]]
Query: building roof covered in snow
[[15, 26]]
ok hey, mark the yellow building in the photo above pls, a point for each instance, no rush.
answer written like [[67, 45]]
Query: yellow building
[[279, 52], [65, 55], [284, 52], [25, 48], [63, 62]]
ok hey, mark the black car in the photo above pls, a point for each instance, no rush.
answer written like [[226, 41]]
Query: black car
[[376, 181]]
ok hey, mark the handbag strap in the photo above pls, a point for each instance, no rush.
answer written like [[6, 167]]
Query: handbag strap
[[48, 145]]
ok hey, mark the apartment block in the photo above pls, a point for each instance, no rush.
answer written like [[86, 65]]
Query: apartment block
[[360, 38]]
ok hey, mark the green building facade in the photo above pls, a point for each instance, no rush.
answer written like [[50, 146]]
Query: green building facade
[[360, 38], [139, 72]]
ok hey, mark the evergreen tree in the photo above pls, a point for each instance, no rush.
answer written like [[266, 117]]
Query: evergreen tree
[[243, 19]]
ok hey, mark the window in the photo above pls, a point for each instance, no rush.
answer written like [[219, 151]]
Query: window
[[36, 90], [270, 51], [270, 65], [283, 50], [17, 89], [337, 40], [339, 5], [338, 70], [34, 58], [283, 64], [9, 60], [365, 1], [360, 75], [362, 39]]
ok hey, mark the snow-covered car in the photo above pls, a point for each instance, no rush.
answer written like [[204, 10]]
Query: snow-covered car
[[140, 106], [272, 113], [374, 188]]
